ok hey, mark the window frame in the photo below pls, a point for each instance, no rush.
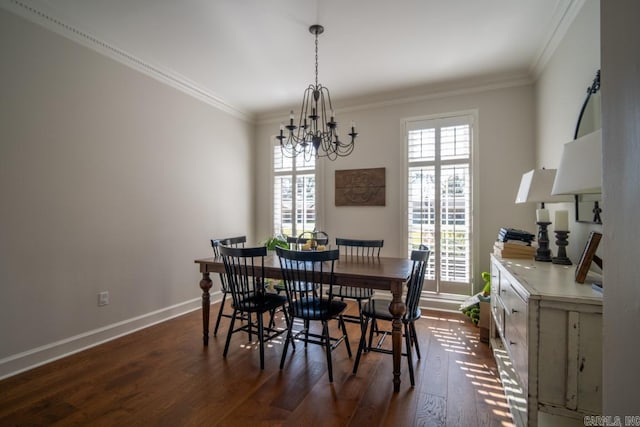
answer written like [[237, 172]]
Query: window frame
[[469, 117], [319, 189]]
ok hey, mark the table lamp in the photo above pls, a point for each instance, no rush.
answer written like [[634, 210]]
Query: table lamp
[[535, 186], [580, 170]]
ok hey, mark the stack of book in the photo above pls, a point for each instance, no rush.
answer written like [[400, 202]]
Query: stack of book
[[507, 234], [514, 243], [514, 249]]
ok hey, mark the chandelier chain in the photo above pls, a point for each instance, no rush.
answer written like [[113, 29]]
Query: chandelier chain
[[316, 60]]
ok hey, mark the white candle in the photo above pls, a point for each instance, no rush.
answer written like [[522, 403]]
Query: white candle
[[562, 220], [542, 215]]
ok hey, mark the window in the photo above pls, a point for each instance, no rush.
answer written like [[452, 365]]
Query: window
[[294, 194], [439, 199]]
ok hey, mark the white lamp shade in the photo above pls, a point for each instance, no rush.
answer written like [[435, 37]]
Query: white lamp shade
[[580, 170], [536, 185]]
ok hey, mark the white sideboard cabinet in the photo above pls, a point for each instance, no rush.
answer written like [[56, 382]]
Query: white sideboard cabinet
[[546, 337]]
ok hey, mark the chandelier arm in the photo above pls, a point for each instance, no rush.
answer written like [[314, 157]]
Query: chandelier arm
[[298, 135], [320, 113], [314, 113], [325, 128], [306, 102]]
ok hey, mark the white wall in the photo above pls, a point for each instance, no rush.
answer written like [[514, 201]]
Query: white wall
[[109, 180], [621, 180], [504, 147], [560, 92]]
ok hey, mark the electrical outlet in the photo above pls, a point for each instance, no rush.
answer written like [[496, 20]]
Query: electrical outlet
[[103, 298]]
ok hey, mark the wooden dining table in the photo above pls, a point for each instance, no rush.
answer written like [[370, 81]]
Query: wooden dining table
[[384, 273]]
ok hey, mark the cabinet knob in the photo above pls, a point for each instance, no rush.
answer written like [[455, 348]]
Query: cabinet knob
[[513, 310], [512, 343]]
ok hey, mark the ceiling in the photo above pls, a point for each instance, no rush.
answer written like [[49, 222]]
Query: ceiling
[[257, 56]]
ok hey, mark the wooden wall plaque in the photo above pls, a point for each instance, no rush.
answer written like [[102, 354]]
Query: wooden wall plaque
[[360, 187]]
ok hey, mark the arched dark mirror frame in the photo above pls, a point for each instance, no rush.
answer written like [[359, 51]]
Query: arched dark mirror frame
[[588, 206]]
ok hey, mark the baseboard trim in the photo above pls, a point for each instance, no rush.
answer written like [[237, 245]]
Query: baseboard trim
[[47, 353], [446, 302]]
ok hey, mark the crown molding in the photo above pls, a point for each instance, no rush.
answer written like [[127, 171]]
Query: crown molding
[[504, 83], [168, 77], [564, 17]]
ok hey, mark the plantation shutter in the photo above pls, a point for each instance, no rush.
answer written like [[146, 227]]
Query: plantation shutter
[[439, 199], [294, 194]]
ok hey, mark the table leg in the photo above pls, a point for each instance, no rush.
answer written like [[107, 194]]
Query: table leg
[[397, 308], [205, 285]]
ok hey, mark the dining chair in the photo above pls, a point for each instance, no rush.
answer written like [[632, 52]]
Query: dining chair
[[244, 269], [235, 242], [308, 278], [296, 243], [360, 250], [378, 309]]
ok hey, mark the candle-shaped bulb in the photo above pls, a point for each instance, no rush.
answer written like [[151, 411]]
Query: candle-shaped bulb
[[291, 115], [353, 125]]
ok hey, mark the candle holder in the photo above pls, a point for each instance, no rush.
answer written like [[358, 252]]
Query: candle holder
[[562, 240], [543, 253]]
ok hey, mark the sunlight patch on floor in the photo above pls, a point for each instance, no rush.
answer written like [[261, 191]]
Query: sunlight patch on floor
[[486, 382], [455, 341]]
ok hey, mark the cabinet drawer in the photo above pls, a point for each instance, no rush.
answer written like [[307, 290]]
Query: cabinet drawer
[[514, 391], [497, 309], [495, 279], [518, 350], [515, 330], [515, 310]]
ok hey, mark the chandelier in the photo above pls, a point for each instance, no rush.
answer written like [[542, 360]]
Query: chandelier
[[316, 133]]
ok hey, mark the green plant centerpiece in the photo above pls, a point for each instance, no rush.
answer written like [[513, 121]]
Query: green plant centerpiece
[[273, 285], [276, 241]]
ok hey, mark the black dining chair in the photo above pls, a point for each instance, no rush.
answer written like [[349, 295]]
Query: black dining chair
[[364, 251], [244, 269], [296, 244], [308, 278], [235, 242], [378, 309]]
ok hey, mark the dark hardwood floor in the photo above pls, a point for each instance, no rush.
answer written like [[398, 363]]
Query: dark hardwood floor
[[163, 375]]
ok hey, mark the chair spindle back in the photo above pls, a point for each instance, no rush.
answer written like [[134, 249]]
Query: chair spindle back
[[244, 269], [235, 242], [308, 278], [416, 280], [359, 248]]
